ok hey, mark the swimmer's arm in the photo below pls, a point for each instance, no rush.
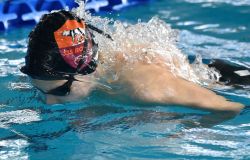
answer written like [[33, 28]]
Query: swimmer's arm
[[190, 94], [202, 98], [161, 86], [155, 83]]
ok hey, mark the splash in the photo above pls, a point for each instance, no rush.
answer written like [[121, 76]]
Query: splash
[[206, 75], [150, 42], [80, 11]]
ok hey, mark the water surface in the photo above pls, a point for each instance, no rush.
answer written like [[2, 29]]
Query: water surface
[[102, 128]]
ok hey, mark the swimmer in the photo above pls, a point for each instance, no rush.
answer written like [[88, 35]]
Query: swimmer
[[62, 61]]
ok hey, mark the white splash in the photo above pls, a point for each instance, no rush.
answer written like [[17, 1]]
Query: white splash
[[145, 41], [14, 149], [18, 117]]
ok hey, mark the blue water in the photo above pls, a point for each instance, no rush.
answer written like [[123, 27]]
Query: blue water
[[102, 128]]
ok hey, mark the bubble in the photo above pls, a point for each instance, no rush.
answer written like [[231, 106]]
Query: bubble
[[149, 42]]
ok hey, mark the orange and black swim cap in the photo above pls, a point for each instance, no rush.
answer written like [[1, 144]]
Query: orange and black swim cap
[[61, 45]]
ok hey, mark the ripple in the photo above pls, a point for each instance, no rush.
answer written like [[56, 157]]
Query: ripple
[[206, 26], [244, 92], [211, 47], [226, 144], [2, 105], [19, 86], [18, 117], [231, 2], [194, 150], [10, 67], [7, 46], [188, 23], [13, 149]]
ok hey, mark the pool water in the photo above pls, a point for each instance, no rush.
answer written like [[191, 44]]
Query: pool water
[[103, 128]]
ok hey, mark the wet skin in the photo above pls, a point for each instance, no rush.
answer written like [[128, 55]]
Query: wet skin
[[150, 83]]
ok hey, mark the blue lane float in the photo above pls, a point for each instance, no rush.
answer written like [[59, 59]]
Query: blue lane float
[[14, 13]]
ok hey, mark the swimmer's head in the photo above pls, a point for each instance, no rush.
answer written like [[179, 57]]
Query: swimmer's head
[[59, 47]]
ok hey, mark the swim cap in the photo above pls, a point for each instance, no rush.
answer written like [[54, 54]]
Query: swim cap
[[60, 45]]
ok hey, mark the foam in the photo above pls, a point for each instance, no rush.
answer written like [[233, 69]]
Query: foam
[[145, 41]]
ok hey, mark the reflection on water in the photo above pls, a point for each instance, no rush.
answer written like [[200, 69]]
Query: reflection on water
[[13, 149], [214, 2], [18, 117], [211, 47], [110, 131]]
